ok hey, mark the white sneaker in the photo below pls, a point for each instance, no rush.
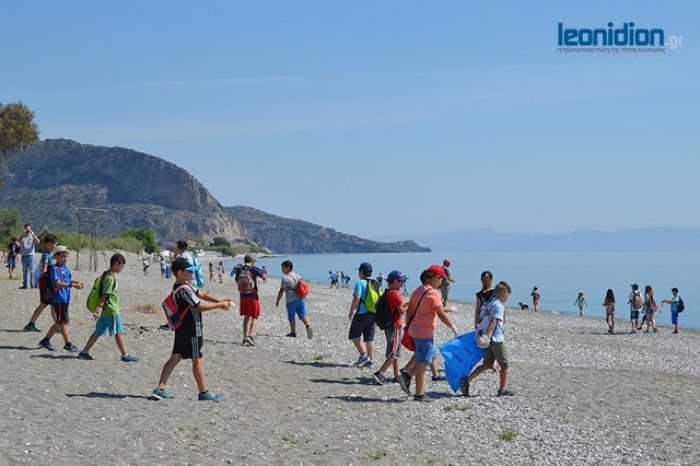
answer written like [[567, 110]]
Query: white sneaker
[[309, 333]]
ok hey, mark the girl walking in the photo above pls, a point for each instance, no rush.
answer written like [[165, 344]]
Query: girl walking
[[580, 303], [609, 304]]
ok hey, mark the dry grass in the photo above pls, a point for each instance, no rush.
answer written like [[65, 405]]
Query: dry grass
[[148, 308]]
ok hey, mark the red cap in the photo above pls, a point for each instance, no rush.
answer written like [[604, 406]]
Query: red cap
[[437, 270], [446, 262]]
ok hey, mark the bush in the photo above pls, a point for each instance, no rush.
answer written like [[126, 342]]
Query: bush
[[226, 250], [147, 238], [9, 225], [219, 241]]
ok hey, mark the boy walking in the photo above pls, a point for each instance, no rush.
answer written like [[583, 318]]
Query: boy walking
[[636, 302], [495, 311], [394, 332], [296, 305], [674, 308], [107, 314], [247, 280], [188, 337], [47, 261], [362, 321], [11, 260], [62, 281]]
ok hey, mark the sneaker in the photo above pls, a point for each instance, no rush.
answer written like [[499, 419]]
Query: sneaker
[[437, 378], [421, 398], [464, 386], [130, 358], [291, 335], [85, 355], [656, 329], [368, 363], [675, 331], [161, 394], [164, 327], [379, 378], [22, 287], [309, 333], [633, 331], [209, 396], [44, 343], [71, 347], [31, 327], [361, 360], [505, 392], [251, 340], [405, 383]]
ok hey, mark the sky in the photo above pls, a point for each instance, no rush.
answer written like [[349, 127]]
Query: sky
[[379, 117]]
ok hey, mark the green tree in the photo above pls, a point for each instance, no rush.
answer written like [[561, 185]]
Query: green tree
[[9, 224], [17, 128], [219, 241], [147, 238]]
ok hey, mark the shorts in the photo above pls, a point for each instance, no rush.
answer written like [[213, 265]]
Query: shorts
[[362, 326], [61, 312], [674, 318], [113, 325], [393, 341], [296, 308], [250, 307], [11, 262], [649, 314], [496, 352], [634, 314], [425, 350], [188, 346]]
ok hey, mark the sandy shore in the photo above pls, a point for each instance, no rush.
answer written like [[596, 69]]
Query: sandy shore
[[583, 396]]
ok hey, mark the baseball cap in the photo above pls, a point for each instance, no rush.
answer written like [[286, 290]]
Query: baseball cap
[[60, 249], [181, 263], [250, 258], [396, 275], [446, 262], [437, 270], [365, 268], [634, 286]]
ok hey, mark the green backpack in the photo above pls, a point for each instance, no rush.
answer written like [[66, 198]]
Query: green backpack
[[374, 291], [93, 301]]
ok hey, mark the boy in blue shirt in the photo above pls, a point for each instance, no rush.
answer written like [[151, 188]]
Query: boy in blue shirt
[[61, 282], [674, 308], [362, 322]]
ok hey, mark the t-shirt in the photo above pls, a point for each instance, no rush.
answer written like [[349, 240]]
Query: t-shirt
[[498, 313], [13, 249], [109, 288], [425, 319], [61, 273], [394, 300], [192, 323], [674, 303], [27, 244], [484, 296], [289, 281], [361, 291], [47, 259]]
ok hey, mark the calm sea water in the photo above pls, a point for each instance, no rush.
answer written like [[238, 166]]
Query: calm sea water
[[559, 275]]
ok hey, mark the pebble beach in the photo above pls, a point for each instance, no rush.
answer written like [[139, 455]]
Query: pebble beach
[[582, 396]]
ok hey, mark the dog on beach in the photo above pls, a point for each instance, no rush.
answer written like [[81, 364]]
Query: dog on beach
[[524, 307]]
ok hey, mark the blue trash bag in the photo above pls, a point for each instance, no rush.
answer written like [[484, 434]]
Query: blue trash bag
[[461, 355]]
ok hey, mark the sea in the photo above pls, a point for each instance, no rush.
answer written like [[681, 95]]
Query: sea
[[559, 275]]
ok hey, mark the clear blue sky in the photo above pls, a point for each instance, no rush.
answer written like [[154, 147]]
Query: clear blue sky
[[368, 115]]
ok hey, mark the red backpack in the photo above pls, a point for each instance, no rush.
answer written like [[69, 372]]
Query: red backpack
[[172, 311], [301, 288]]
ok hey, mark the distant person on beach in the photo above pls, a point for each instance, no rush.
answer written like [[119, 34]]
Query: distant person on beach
[[484, 295], [189, 339], [146, 265], [609, 304], [362, 321], [162, 266], [536, 298], [27, 245], [636, 303], [13, 251], [211, 272], [493, 317], [347, 281], [246, 276], [580, 303], [333, 278], [394, 332], [296, 305], [650, 307], [445, 286], [676, 307], [380, 279], [220, 271], [342, 279], [424, 309], [46, 262], [108, 315], [61, 280]]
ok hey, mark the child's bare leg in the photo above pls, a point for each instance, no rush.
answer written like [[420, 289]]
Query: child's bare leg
[[419, 371], [479, 370], [306, 321], [503, 379], [65, 331], [434, 368], [253, 326], [198, 372], [37, 312], [168, 369], [120, 344], [370, 350], [408, 368], [91, 341], [293, 326], [397, 368], [245, 326], [359, 345]]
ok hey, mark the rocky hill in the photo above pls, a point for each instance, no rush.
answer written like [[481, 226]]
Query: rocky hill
[[285, 235], [49, 180]]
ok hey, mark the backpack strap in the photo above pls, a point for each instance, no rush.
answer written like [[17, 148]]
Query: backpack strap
[[413, 314]]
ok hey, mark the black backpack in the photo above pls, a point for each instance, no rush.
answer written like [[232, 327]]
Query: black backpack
[[383, 317], [681, 305]]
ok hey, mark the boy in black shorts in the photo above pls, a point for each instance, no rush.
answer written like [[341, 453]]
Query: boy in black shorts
[[188, 337]]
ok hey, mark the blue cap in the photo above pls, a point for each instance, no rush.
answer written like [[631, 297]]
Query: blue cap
[[396, 275], [365, 268], [181, 263]]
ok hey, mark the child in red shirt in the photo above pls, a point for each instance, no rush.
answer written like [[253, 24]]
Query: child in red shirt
[[393, 333]]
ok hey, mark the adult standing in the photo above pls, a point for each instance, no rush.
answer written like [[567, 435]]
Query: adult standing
[[27, 245], [445, 286], [536, 298]]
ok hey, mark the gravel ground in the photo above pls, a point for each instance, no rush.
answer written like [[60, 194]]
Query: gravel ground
[[583, 396]]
